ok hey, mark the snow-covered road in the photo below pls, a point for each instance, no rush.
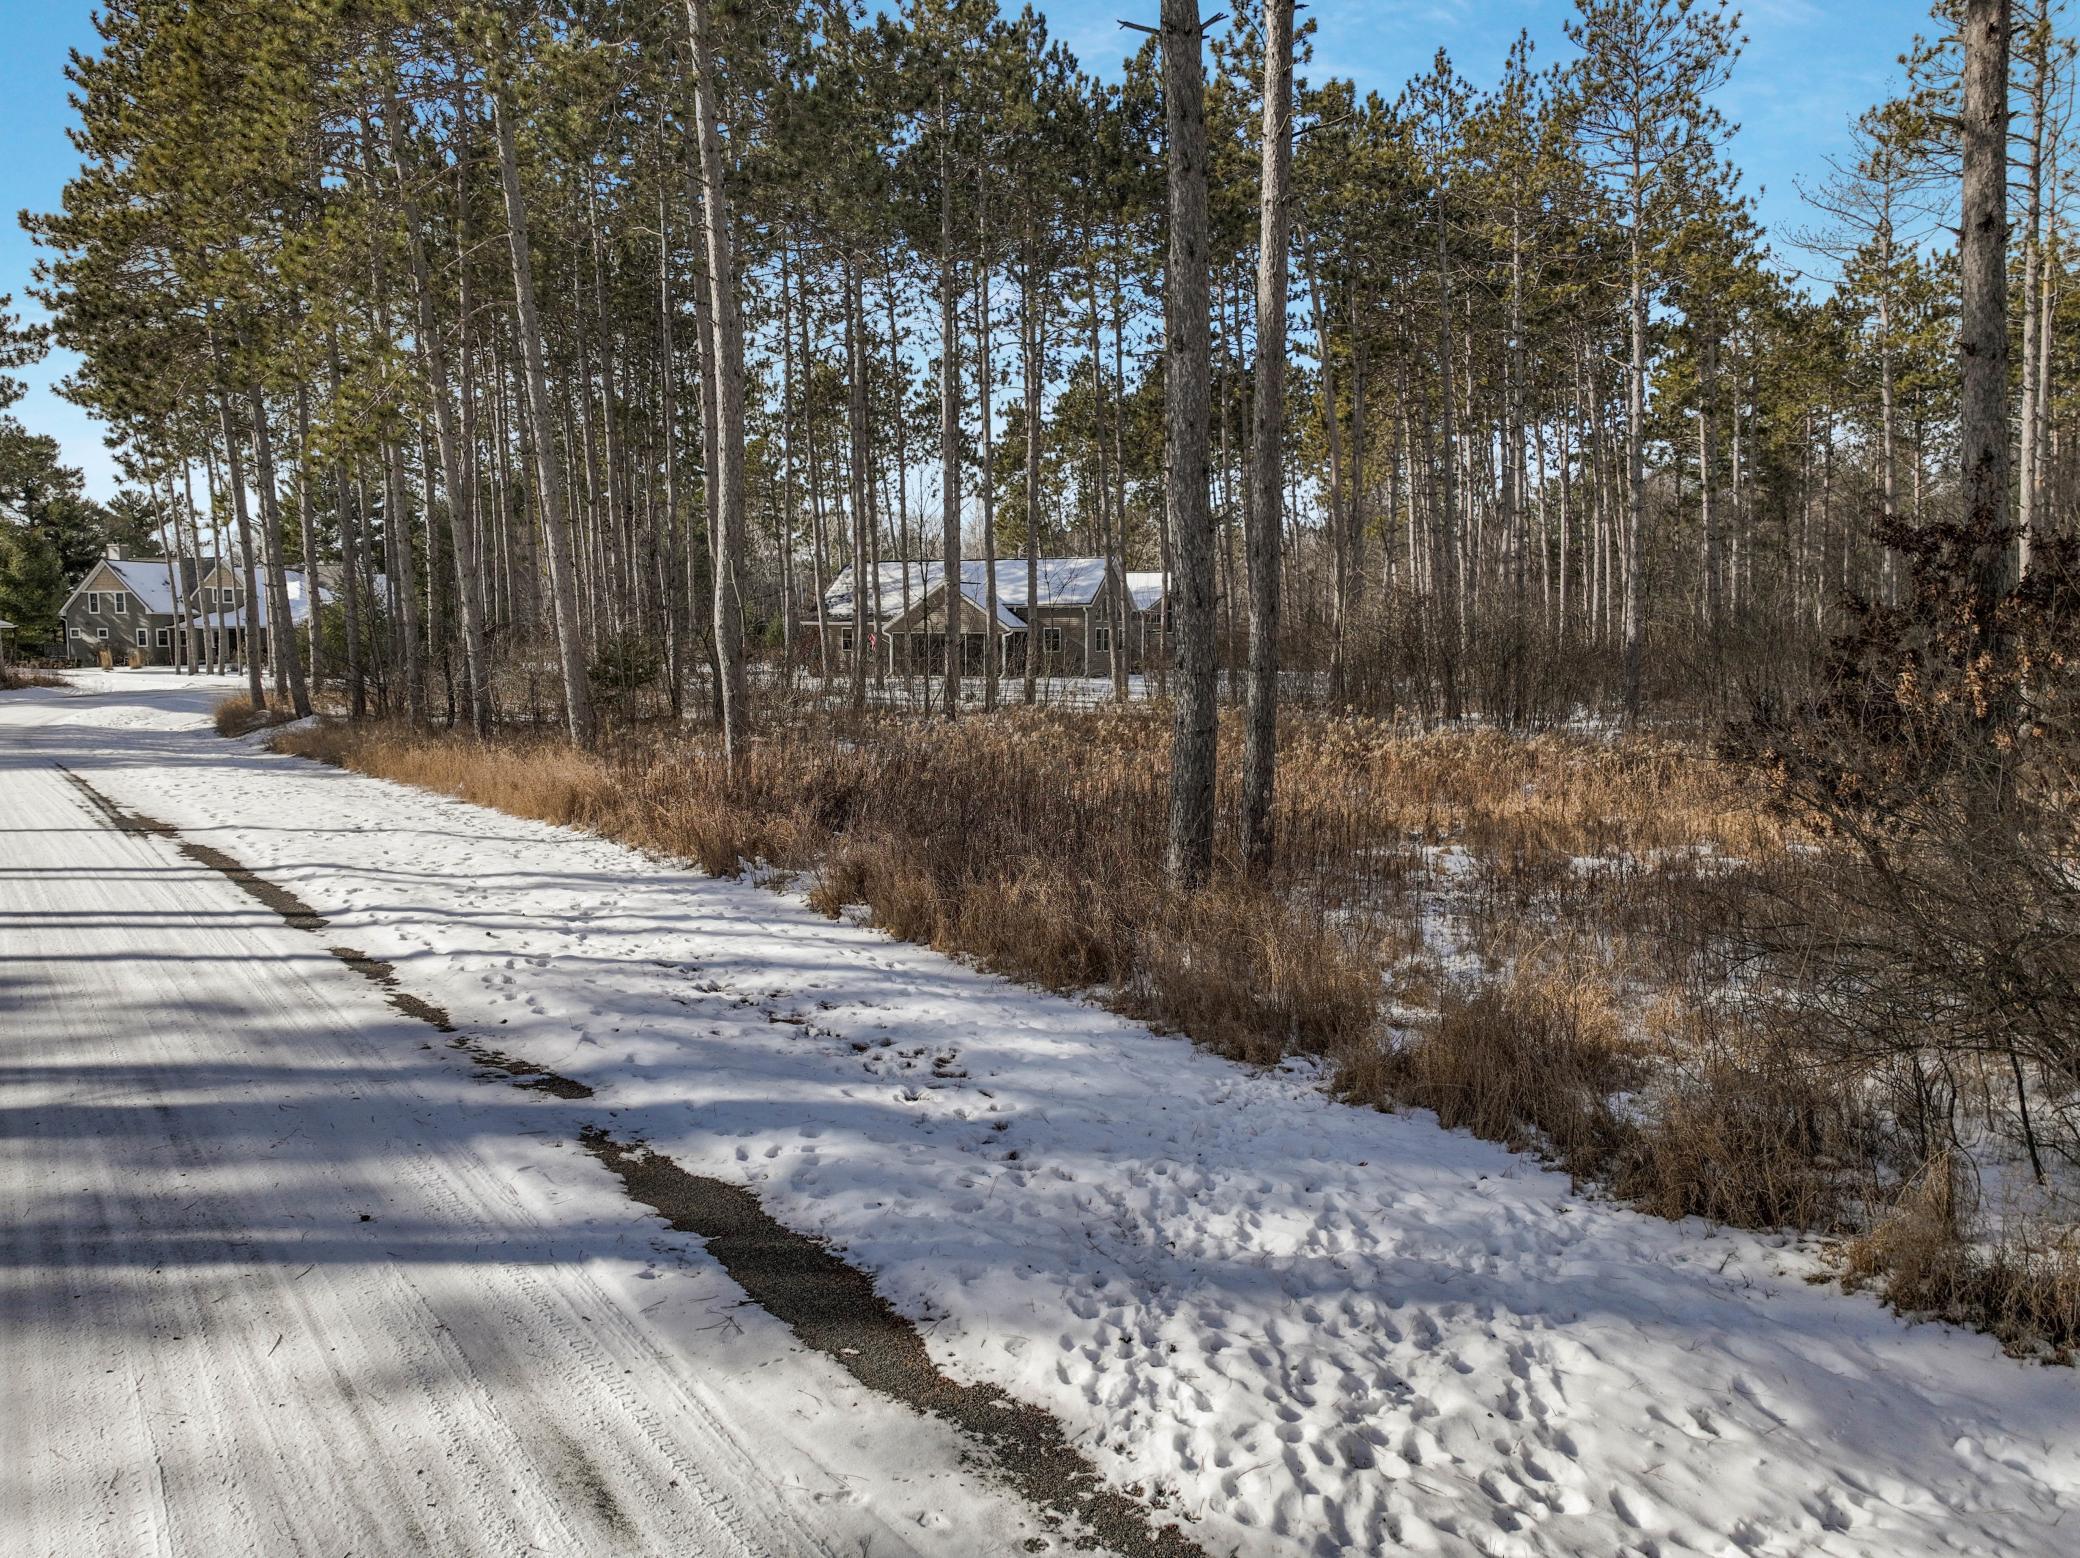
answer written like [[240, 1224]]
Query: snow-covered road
[[277, 1275], [1312, 1329]]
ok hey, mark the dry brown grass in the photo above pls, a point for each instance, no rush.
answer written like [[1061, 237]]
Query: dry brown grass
[[987, 842], [1592, 881], [2022, 1284], [15, 677], [236, 716], [1029, 841], [1531, 1060]]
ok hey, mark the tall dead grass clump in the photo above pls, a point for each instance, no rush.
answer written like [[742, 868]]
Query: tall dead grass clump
[[236, 716], [1741, 1128], [1026, 843], [1252, 979], [1532, 1059], [542, 780], [1927, 1253]]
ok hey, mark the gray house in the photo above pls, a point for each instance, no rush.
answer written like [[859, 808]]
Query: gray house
[[137, 611], [1068, 622]]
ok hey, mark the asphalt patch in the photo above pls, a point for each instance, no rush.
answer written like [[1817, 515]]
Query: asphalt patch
[[833, 1308]]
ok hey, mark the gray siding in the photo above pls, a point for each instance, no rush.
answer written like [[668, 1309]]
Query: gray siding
[[84, 626]]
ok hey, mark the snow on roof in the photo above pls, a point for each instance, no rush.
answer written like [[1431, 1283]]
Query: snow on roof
[[978, 597], [1145, 588], [145, 578], [1063, 581], [299, 601]]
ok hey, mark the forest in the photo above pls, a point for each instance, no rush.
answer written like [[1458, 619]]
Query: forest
[[1615, 661], [1563, 429]]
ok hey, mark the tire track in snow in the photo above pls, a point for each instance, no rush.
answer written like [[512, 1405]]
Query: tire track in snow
[[179, 1263], [830, 1307]]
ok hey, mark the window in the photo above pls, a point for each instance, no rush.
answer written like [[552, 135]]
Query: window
[[1051, 641], [102, 634], [845, 640], [78, 631], [144, 638], [122, 602], [94, 601], [166, 638], [1101, 640]]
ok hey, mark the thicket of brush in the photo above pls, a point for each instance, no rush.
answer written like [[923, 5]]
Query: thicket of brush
[[1535, 937], [14, 677]]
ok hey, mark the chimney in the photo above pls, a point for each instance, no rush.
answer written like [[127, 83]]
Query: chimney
[[115, 551]]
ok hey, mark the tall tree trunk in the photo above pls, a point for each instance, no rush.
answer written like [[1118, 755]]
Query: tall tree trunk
[[563, 586], [951, 591], [1982, 338], [1707, 471], [306, 507], [200, 654], [726, 364], [1121, 601], [402, 571], [1187, 366], [433, 360], [234, 477], [1031, 305], [1635, 454], [1267, 464], [2029, 516], [1451, 586], [700, 577], [1888, 403], [1100, 484], [983, 367], [351, 576], [678, 550], [866, 576]]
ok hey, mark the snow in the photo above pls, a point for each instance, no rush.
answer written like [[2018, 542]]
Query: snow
[[1063, 582], [279, 1274], [146, 581], [1146, 589], [1321, 1329]]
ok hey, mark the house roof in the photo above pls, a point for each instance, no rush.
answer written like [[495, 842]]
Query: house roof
[[145, 579], [142, 577], [1063, 582], [299, 604], [1147, 589], [976, 596]]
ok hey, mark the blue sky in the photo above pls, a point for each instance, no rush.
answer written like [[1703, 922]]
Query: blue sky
[[1810, 67]]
